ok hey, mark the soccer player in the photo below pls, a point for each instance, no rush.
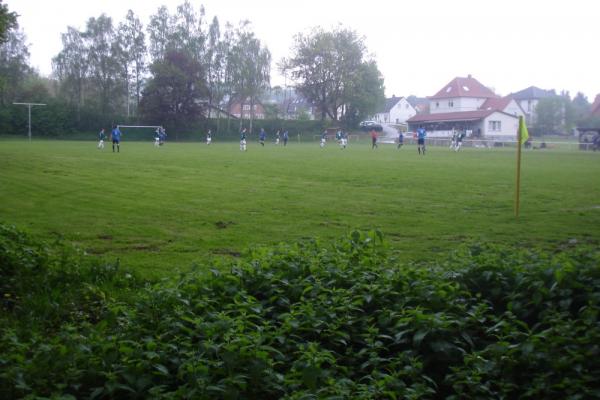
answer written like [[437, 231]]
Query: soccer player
[[277, 135], [323, 138], [101, 137], [157, 137], [373, 138], [116, 138], [459, 139], [421, 134], [262, 136], [208, 137], [243, 140], [285, 138], [162, 136], [343, 139], [400, 139]]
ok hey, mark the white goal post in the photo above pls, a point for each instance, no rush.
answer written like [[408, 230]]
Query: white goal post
[[139, 126]]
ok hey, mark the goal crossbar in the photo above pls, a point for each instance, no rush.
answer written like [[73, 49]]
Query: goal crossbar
[[139, 126]]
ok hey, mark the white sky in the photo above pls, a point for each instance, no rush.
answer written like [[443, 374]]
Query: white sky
[[419, 46]]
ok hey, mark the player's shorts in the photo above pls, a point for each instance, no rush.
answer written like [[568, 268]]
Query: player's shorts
[[243, 142], [115, 141], [421, 141]]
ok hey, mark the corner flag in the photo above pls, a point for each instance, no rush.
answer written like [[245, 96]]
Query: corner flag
[[524, 134]]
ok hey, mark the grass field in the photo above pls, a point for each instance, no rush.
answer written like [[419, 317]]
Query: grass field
[[159, 210]]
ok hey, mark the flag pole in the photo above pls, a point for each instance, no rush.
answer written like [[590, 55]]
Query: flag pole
[[518, 188]]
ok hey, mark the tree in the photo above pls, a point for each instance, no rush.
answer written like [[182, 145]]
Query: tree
[[14, 66], [581, 107], [8, 21], [328, 67], [250, 66], [71, 67], [365, 95], [133, 47], [175, 92], [104, 62], [551, 115], [160, 33]]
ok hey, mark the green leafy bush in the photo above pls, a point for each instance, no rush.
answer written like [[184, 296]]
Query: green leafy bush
[[306, 321]]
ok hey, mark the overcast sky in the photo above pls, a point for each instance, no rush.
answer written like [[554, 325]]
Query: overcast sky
[[419, 46]]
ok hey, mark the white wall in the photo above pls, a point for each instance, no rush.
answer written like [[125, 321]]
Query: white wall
[[514, 109], [401, 112], [458, 104], [508, 124]]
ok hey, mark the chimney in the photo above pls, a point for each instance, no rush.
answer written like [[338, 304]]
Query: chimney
[[469, 76]]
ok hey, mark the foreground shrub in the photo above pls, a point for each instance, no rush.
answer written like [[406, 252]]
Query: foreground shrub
[[313, 321]]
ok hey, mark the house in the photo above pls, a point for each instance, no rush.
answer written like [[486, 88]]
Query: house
[[529, 98], [464, 104], [420, 104], [396, 111], [243, 110]]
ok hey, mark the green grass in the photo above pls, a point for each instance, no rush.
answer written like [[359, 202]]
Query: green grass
[[159, 209]]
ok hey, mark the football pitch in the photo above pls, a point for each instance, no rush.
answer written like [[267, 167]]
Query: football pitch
[[159, 210]]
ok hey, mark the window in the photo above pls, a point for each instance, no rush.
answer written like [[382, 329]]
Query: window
[[494, 126], [451, 103], [246, 107], [528, 105], [406, 106], [437, 104]]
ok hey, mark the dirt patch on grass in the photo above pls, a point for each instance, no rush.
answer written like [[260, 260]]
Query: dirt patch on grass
[[224, 224], [226, 252]]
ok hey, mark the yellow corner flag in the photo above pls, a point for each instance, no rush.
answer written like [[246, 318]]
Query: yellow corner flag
[[523, 130]]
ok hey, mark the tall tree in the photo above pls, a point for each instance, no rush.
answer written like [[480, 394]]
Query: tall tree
[[326, 66], [251, 64], [14, 66], [133, 47], [8, 21], [103, 59], [551, 115], [160, 33], [71, 67], [175, 91]]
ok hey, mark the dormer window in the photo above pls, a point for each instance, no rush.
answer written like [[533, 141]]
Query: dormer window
[[466, 88], [448, 89]]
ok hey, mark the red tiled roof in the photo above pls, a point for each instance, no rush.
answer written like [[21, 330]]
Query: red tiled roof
[[497, 103], [452, 116], [464, 87], [595, 110]]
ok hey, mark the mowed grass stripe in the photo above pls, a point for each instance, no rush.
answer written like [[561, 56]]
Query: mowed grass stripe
[[157, 209]]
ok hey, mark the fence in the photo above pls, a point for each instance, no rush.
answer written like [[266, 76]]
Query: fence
[[490, 143]]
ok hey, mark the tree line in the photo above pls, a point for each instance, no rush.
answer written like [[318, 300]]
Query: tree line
[[183, 67]]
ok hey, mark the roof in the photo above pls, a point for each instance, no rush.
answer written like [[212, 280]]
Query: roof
[[498, 103], [595, 110], [417, 101], [464, 87], [455, 116], [391, 102], [532, 92]]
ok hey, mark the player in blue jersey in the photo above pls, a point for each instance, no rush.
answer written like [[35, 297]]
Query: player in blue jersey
[[116, 138], [285, 138], [101, 137], [243, 140], [262, 136], [421, 134], [400, 139]]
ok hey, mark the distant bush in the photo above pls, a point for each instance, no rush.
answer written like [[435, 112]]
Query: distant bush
[[59, 120], [303, 321]]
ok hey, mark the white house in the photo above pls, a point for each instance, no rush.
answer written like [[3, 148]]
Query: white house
[[466, 105], [529, 98], [396, 111]]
